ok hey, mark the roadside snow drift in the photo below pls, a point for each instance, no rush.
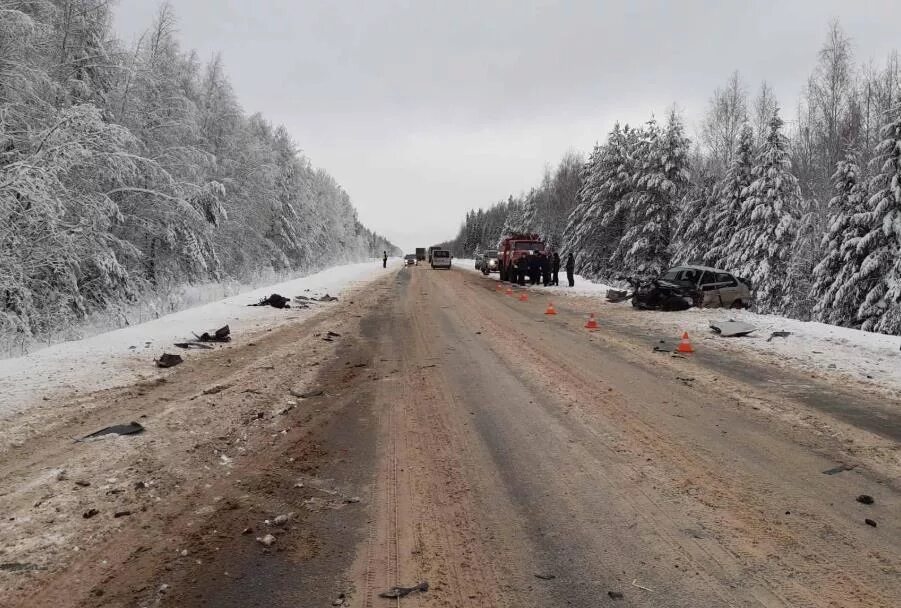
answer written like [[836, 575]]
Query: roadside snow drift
[[125, 355]]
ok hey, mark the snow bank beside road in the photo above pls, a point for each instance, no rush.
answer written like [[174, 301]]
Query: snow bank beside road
[[127, 354], [812, 347]]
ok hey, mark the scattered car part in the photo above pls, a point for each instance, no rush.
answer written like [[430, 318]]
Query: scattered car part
[[732, 328], [132, 428], [167, 360], [398, 592]]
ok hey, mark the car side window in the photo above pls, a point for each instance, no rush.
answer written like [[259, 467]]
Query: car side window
[[708, 281], [726, 279]]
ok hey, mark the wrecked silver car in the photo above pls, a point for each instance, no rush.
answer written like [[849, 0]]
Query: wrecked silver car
[[682, 287], [710, 287]]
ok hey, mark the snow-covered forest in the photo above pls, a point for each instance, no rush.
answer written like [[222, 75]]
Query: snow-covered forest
[[128, 171], [804, 201]]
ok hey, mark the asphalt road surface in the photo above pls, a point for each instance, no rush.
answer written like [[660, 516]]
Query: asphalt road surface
[[507, 457]]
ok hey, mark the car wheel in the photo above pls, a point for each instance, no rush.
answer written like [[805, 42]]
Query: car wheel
[[737, 304]]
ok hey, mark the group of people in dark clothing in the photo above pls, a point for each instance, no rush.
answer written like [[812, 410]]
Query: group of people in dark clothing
[[537, 267]]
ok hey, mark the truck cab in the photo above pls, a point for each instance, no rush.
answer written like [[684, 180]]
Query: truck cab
[[513, 247]]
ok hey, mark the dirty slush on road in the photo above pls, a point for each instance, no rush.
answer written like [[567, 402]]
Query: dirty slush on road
[[451, 446], [250, 462]]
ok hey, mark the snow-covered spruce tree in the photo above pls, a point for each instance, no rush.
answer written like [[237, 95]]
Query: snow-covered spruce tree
[[660, 179], [730, 195], [761, 246], [805, 253], [692, 235], [838, 288], [596, 225], [881, 308]]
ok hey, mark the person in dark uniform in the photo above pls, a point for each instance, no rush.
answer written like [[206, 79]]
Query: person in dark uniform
[[522, 267], [535, 268], [570, 269], [545, 269], [555, 269], [384, 259]]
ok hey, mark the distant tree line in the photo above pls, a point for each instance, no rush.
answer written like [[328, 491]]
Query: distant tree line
[[810, 214], [131, 170]]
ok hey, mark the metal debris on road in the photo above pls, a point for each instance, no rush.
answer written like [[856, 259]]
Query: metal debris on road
[[778, 334], [132, 428], [167, 360], [397, 592], [840, 469], [275, 301], [223, 334], [732, 328]]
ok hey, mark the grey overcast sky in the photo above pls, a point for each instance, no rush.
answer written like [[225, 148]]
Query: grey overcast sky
[[424, 109]]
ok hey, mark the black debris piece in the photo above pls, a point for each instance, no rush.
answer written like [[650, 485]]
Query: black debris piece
[[190, 345], [396, 592], [616, 595], [546, 577], [662, 349], [119, 514], [333, 334], [90, 513], [132, 428], [167, 360], [778, 334], [275, 301], [870, 522], [328, 298], [840, 469], [223, 334], [865, 499], [304, 298]]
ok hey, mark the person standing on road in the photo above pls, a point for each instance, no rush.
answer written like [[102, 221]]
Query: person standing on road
[[535, 268], [521, 268], [384, 259], [545, 269], [555, 270], [570, 270]]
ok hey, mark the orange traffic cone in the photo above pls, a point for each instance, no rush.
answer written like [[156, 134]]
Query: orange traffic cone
[[509, 291], [592, 323], [550, 309], [523, 297], [685, 345]]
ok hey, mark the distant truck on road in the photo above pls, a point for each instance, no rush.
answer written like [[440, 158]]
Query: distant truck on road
[[513, 247], [420, 254]]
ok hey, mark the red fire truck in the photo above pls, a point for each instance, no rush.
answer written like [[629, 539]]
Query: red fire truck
[[513, 247]]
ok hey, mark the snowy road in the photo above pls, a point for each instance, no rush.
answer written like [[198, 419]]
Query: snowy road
[[453, 434]]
